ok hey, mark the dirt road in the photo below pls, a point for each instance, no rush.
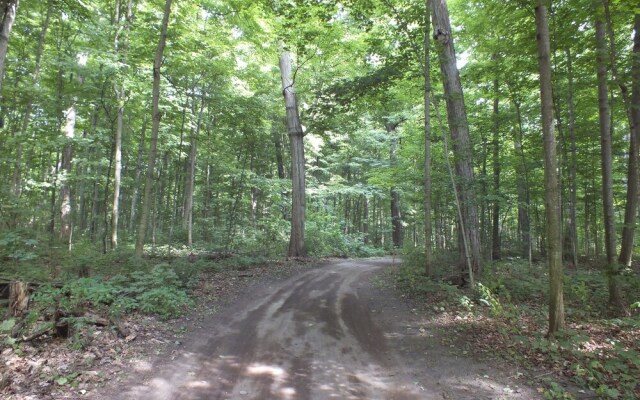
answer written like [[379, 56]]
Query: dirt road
[[328, 333]]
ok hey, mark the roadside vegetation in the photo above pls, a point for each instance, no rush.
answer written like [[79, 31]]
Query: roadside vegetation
[[506, 314], [88, 314]]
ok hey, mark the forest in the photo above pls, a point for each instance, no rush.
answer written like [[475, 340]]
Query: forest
[[490, 145]]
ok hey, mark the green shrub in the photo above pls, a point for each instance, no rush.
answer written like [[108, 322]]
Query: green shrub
[[167, 302], [160, 291]]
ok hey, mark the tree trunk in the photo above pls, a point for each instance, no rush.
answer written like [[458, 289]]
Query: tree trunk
[[65, 189], [115, 206], [572, 233], [458, 127], [190, 182], [629, 227], [524, 201], [147, 200], [428, 245], [136, 185], [296, 135], [604, 113], [396, 216], [552, 195], [120, 50], [18, 299], [105, 218], [10, 7], [365, 220], [95, 206], [495, 225]]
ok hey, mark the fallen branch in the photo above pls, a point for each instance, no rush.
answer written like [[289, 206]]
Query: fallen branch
[[42, 330]]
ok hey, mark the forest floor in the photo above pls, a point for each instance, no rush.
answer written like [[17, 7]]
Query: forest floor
[[289, 331]]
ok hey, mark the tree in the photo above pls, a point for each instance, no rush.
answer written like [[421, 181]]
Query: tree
[[459, 131], [17, 174], [68, 131], [296, 135], [396, 216], [428, 270], [606, 164], [632, 106], [552, 193], [120, 50], [155, 128], [9, 9]]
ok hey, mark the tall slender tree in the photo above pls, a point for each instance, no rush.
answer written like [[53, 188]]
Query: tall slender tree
[[552, 191], [633, 175], [428, 245], [120, 48], [459, 131], [8, 9], [606, 138], [147, 201]]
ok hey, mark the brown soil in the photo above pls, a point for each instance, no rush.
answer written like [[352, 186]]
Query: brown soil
[[328, 333]]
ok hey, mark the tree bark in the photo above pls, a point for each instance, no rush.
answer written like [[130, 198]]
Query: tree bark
[[495, 224], [117, 173], [296, 135], [396, 216], [459, 129], [604, 113], [18, 299], [573, 189], [8, 18], [552, 195], [631, 207], [120, 50], [524, 200], [428, 243], [65, 189], [136, 185], [190, 181], [147, 200]]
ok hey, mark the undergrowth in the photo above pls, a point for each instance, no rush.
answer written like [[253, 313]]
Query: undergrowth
[[75, 289], [508, 310]]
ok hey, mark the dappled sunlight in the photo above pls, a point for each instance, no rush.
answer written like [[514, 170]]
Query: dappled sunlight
[[262, 369], [198, 385]]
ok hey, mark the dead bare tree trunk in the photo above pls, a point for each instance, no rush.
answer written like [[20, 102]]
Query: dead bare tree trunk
[[296, 135]]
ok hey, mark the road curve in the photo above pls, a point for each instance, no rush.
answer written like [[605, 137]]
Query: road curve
[[312, 338], [325, 334]]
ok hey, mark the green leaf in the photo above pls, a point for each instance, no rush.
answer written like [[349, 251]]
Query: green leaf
[[7, 325]]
